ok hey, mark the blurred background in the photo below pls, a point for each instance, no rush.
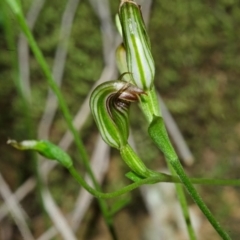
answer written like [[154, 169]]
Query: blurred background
[[196, 47]]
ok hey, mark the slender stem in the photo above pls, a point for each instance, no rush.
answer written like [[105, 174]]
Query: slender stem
[[159, 135], [150, 180], [216, 182], [192, 191], [117, 193], [26, 107], [41, 60], [184, 206], [150, 107]]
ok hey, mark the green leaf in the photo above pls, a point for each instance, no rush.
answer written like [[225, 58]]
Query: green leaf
[[133, 176]]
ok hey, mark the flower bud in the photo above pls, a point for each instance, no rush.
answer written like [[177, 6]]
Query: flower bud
[[45, 148], [139, 58]]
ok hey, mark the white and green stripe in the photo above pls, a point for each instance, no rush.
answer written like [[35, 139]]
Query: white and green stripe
[[139, 58], [109, 104]]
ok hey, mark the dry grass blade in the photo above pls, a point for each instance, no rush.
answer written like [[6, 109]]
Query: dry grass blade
[[165, 223], [58, 219], [21, 192], [58, 67], [103, 12], [15, 210]]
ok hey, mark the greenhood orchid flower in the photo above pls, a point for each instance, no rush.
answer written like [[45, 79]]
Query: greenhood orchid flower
[[110, 104]]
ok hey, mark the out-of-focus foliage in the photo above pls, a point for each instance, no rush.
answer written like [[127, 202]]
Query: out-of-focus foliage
[[197, 53]]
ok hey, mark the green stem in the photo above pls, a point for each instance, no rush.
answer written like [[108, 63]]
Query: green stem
[[117, 193], [192, 191], [43, 64], [149, 104], [159, 135], [135, 163], [150, 180], [216, 182], [184, 206], [26, 107], [150, 107]]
